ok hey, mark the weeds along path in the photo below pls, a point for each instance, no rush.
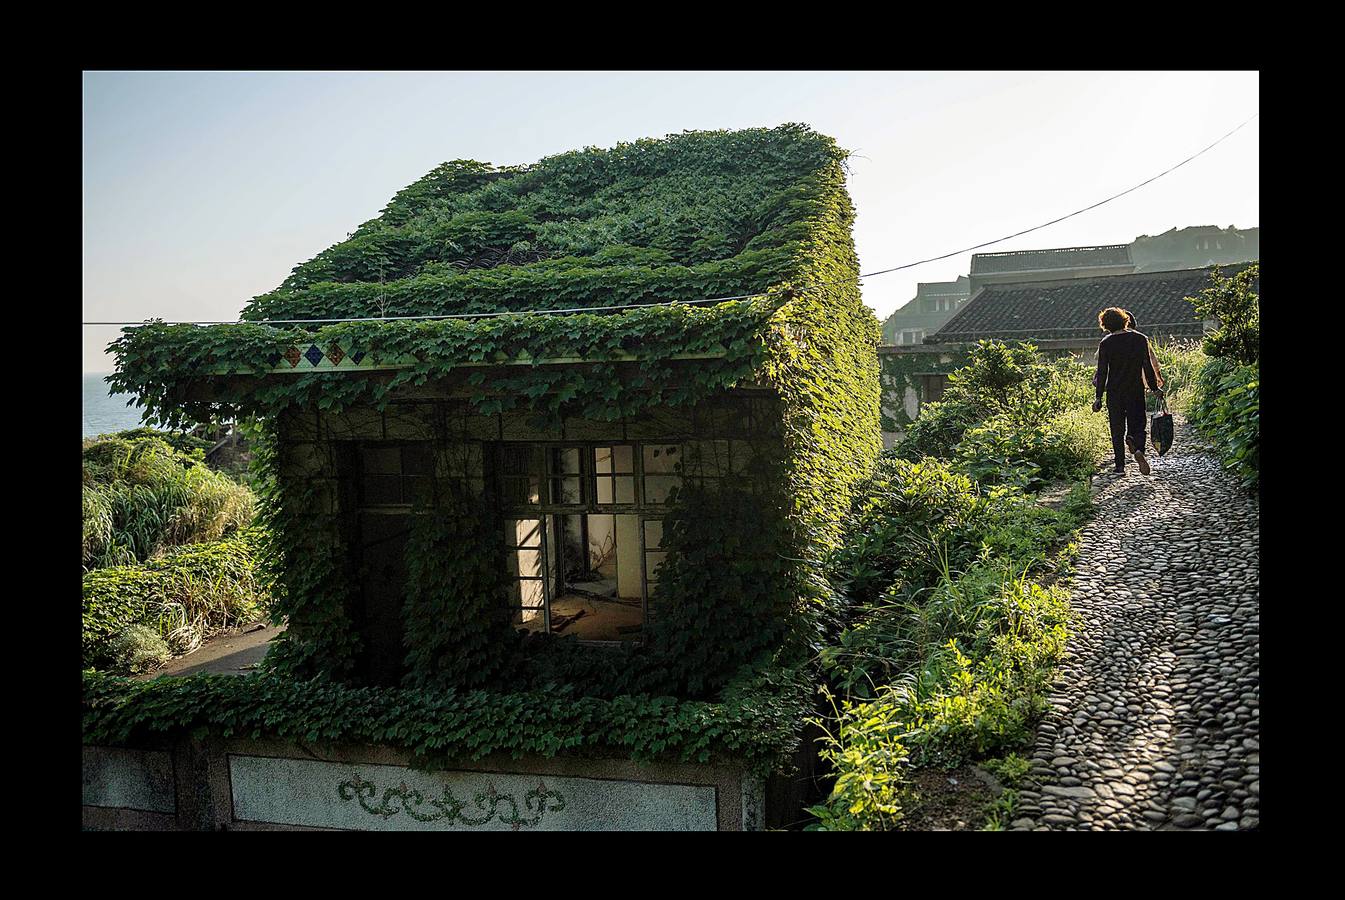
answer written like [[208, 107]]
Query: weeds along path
[[1155, 722]]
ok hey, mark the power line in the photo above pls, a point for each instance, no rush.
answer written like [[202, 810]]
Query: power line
[[911, 265]]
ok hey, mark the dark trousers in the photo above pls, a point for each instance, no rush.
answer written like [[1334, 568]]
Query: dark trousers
[[1126, 414]]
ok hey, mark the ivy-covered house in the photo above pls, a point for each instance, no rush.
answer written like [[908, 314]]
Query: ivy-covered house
[[517, 442]]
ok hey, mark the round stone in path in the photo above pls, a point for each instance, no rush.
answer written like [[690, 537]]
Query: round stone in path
[[1156, 721]]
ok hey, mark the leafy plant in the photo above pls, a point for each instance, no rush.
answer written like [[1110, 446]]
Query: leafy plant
[[1009, 769], [207, 587], [1227, 410], [755, 723], [138, 648], [456, 612], [1236, 307], [142, 496]]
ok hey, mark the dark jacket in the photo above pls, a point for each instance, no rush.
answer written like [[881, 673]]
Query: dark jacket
[[1123, 365]]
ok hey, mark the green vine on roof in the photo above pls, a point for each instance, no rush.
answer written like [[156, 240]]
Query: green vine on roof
[[695, 215]]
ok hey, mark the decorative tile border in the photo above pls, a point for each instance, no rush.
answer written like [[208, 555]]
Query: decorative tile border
[[302, 358]]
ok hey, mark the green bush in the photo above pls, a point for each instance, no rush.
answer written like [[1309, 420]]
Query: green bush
[[987, 647], [1010, 769], [1180, 362], [1009, 417], [1227, 410], [904, 516], [755, 722], [139, 648], [206, 587], [1237, 308], [142, 496], [938, 429]]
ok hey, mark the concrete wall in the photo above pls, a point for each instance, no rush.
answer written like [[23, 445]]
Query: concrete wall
[[272, 785]]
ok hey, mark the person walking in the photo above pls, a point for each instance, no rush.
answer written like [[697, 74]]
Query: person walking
[[1124, 369]]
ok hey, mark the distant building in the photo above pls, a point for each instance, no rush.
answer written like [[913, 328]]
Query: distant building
[[934, 303], [1059, 316], [1038, 265], [1193, 247]]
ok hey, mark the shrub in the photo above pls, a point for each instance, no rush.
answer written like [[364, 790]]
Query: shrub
[[206, 587], [1008, 417], [972, 695], [1010, 770], [1227, 410], [138, 648], [1237, 308], [870, 760], [141, 496], [904, 516], [1180, 363], [938, 429], [1018, 532]]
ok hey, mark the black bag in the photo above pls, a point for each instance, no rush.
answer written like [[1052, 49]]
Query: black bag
[[1160, 426]]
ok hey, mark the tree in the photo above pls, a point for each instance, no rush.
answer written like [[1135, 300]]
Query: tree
[[1237, 308]]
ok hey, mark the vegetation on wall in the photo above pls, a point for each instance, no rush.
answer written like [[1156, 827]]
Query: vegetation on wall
[[455, 624], [902, 371], [726, 593], [754, 722], [728, 341]]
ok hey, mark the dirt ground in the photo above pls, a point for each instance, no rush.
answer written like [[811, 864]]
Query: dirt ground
[[950, 799]]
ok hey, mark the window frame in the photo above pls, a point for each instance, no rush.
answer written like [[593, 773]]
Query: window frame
[[641, 508]]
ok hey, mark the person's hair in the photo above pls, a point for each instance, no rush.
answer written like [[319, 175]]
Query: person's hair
[[1113, 318], [1131, 322]]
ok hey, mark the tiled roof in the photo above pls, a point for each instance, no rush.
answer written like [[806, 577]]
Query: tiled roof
[[1058, 258], [1068, 308]]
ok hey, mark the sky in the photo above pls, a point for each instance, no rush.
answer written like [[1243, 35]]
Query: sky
[[202, 190]]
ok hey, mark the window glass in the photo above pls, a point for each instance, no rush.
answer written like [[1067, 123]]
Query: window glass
[[418, 458], [614, 477], [381, 460]]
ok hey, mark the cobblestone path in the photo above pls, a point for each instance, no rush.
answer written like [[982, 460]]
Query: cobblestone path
[[1155, 723]]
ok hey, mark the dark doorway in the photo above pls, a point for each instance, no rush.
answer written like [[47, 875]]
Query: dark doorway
[[383, 539]]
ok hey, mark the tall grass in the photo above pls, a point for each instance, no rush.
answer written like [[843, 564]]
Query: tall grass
[[142, 497], [1180, 363], [185, 595]]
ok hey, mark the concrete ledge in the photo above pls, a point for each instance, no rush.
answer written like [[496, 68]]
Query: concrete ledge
[[244, 784]]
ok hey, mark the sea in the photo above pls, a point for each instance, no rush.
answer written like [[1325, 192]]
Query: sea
[[104, 413]]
